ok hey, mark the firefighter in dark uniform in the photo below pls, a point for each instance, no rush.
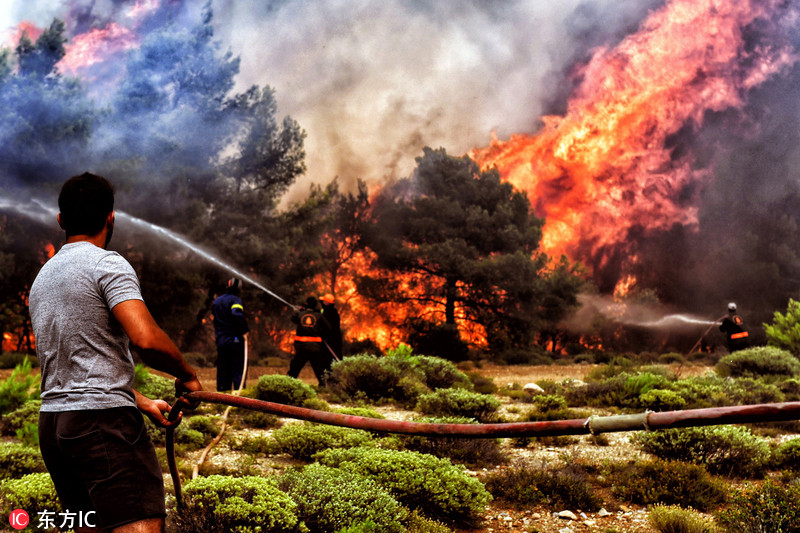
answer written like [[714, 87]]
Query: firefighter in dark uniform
[[733, 327], [312, 328], [331, 315], [230, 328]]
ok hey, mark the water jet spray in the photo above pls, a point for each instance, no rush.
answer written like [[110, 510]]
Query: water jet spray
[[42, 213]]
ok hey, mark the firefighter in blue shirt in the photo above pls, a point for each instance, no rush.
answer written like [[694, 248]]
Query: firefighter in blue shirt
[[230, 328]]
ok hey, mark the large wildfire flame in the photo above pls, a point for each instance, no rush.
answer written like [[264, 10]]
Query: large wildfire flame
[[606, 166]]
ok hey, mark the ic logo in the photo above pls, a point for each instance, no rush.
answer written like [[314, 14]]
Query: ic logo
[[19, 519]]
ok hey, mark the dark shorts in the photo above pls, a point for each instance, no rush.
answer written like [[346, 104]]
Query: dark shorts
[[103, 461]]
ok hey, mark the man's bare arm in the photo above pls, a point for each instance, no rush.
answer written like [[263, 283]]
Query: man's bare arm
[[155, 347]]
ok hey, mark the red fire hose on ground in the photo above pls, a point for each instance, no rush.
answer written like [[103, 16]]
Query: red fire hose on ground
[[595, 425]]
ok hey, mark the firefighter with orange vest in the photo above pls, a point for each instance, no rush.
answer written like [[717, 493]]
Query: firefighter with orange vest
[[733, 326], [309, 347]]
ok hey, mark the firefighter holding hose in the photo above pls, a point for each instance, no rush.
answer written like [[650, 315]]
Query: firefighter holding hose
[[309, 346], [733, 327], [230, 330], [86, 309]]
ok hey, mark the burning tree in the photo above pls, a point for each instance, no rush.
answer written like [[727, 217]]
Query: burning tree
[[465, 246]]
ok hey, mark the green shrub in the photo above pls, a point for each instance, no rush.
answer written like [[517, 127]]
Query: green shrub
[[668, 482], [749, 391], [727, 450], [474, 453], [418, 523], [364, 377], [287, 390], [528, 486], [765, 508], [436, 487], [661, 400], [437, 373], [18, 388], [670, 358], [549, 402], [27, 413], [32, 491], [257, 419], [153, 385], [675, 519], [366, 412], [459, 402], [18, 459], [221, 504], [787, 455], [329, 499], [759, 361], [206, 425], [302, 441]]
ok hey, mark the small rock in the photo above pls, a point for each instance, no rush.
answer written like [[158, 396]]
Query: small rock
[[537, 516], [565, 530], [624, 508], [589, 523], [532, 388], [602, 513], [567, 515]]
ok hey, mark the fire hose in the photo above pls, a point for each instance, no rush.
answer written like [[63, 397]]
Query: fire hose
[[594, 425]]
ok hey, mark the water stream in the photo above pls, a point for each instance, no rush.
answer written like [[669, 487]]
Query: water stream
[[47, 215]]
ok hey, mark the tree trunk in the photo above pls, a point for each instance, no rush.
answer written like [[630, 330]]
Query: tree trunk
[[450, 302]]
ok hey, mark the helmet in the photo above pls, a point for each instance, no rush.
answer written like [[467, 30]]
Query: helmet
[[311, 303], [731, 306], [234, 284], [327, 299]]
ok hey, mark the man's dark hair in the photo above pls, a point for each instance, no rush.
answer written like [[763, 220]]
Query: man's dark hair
[[85, 202]]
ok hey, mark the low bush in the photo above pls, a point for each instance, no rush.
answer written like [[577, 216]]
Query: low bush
[[438, 373], [459, 402], [20, 387], [153, 385], [364, 377], [474, 453], [726, 450], [302, 441], [329, 499], [257, 419], [18, 459], [32, 491], [759, 361], [27, 413], [528, 486], [661, 400], [207, 425], [668, 482], [676, 519], [222, 504], [787, 455], [436, 487], [764, 508], [287, 390]]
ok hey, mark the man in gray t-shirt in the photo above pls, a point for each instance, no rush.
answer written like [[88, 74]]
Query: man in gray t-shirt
[[86, 307]]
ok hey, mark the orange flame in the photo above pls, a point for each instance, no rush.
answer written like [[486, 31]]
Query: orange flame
[[95, 46], [605, 167]]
